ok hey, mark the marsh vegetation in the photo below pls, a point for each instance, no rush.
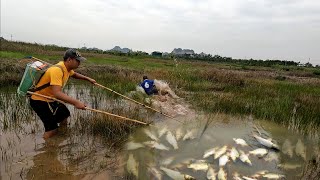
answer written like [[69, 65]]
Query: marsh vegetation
[[285, 96]]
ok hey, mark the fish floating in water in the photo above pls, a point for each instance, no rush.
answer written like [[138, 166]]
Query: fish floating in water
[[248, 178], [176, 175], [287, 148], [219, 152], [209, 152], [301, 150], [223, 160], [133, 145], [234, 154], [167, 161], [162, 131], [211, 174], [240, 141], [150, 134], [236, 176], [179, 133], [156, 145], [189, 135], [259, 174], [244, 158], [200, 165], [274, 176], [266, 142], [259, 152], [172, 140], [221, 174], [289, 166], [132, 165], [156, 173]]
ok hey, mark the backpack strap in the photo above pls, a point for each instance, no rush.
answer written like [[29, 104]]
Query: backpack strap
[[47, 84]]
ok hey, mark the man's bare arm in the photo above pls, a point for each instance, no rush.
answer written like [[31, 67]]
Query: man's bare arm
[[83, 77], [56, 90]]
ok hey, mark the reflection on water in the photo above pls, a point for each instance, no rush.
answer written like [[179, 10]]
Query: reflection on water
[[73, 154], [220, 132]]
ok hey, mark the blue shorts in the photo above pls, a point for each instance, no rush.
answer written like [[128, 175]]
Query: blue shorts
[[50, 113]]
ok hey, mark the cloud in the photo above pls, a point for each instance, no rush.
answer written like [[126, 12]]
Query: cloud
[[286, 29]]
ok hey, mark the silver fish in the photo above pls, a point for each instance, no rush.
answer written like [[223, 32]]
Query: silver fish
[[273, 176], [219, 152], [199, 166], [156, 173], [223, 160], [266, 142], [189, 135], [160, 146], [211, 174], [248, 178], [162, 131], [222, 175], [183, 163], [133, 145], [240, 141], [150, 134], [234, 154], [167, 161], [176, 175], [287, 148], [259, 152], [172, 140], [244, 158], [289, 166], [259, 174], [132, 165], [156, 145], [236, 176], [179, 133], [301, 150], [149, 143], [209, 152]]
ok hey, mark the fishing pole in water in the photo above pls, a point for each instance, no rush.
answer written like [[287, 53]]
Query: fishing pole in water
[[90, 109], [133, 100]]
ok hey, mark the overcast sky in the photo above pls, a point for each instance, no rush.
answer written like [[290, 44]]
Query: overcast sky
[[259, 29]]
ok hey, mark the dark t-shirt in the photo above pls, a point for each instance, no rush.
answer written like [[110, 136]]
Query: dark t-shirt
[[147, 85]]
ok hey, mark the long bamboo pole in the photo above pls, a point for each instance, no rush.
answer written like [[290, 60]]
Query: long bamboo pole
[[97, 84], [90, 109]]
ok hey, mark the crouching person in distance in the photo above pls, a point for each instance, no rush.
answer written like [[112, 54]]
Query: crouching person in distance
[[54, 79], [150, 88]]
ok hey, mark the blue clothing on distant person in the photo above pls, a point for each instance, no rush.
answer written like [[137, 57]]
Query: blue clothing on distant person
[[148, 86]]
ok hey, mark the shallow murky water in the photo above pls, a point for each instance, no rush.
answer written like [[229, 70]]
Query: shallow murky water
[[220, 132], [77, 154]]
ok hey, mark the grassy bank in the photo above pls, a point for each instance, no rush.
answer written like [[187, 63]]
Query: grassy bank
[[284, 94]]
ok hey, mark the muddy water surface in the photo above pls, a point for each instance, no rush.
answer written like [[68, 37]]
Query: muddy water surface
[[220, 132]]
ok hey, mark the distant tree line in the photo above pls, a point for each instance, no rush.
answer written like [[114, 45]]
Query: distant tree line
[[36, 47], [249, 62]]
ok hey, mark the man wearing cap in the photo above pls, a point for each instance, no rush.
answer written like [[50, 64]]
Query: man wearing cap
[[51, 83]]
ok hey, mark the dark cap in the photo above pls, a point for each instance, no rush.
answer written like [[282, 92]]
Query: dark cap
[[72, 53], [145, 77]]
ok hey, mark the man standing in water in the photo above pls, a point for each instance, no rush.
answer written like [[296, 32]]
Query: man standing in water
[[53, 113]]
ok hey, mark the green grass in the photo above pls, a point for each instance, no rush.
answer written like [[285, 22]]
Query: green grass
[[276, 93]]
